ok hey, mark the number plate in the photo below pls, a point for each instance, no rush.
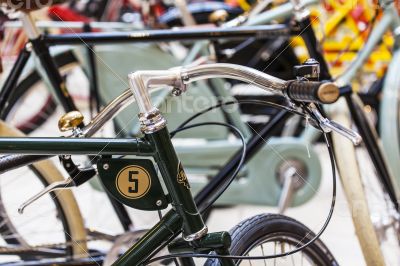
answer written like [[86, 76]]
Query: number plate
[[133, 182]]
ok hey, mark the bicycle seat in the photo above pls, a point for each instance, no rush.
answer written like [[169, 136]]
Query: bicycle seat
[[29, 5]]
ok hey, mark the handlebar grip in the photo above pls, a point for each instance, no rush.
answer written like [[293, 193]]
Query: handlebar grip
[[311, 91], [13, 161]]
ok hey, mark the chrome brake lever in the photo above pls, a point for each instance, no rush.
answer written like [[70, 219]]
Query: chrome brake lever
[[66, 184], [329, 125]]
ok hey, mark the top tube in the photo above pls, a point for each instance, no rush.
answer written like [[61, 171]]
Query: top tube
[[261, 32], [281, 12]]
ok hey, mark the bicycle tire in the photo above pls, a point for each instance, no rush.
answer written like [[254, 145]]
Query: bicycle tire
[[67, 207], [264, 227], [63, 60]]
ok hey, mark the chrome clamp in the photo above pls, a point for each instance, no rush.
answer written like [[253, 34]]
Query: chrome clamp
[[152, 121]]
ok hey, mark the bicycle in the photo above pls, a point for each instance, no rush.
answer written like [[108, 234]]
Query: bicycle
[[136, 183], [9, 97], [67, 58], [388, 185]]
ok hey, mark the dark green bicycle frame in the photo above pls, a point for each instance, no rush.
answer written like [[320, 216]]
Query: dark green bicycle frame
[[184, 217]]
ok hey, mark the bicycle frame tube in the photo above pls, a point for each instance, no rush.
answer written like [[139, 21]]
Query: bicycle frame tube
[[262, 32], [75, 146], [314, 49], [167, 228], [177, 184], [53, 74], [12, 79], [283, 11], [42, 52], [94, 101], [371, 142]]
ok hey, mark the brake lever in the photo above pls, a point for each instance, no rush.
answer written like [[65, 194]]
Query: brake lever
[[79, 176], [65, 184], [330, 125]]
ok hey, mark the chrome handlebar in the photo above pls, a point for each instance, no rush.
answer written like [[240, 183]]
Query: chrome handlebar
[[142, 82], [231, 71]]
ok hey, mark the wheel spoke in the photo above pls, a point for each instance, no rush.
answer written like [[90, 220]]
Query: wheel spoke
[[262, 250]]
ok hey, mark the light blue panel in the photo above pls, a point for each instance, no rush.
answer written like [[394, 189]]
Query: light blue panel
[[116, 61]]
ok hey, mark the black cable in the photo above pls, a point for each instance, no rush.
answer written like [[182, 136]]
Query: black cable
[[321, 231], [230, 179], [240, 102], [214, 256], [219, 105]]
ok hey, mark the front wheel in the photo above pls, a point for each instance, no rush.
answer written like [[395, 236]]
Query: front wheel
[[268, 234]]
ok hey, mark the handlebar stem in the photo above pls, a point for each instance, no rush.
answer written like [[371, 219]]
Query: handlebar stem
[[141, 81]]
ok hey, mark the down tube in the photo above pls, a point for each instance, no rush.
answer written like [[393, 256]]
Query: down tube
[[12, 79], [164, 230]]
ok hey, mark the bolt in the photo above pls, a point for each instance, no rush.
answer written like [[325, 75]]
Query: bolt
[[176, 91], [106, 166], [158, 202], [28, 47]]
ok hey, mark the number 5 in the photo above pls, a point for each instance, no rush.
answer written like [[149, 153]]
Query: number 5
[[135, 182]]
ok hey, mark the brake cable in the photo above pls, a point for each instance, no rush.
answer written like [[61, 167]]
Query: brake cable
[[230, 179], [327, 220]]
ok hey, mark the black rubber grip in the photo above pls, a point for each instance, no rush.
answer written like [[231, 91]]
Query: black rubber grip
[[311, 91]]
